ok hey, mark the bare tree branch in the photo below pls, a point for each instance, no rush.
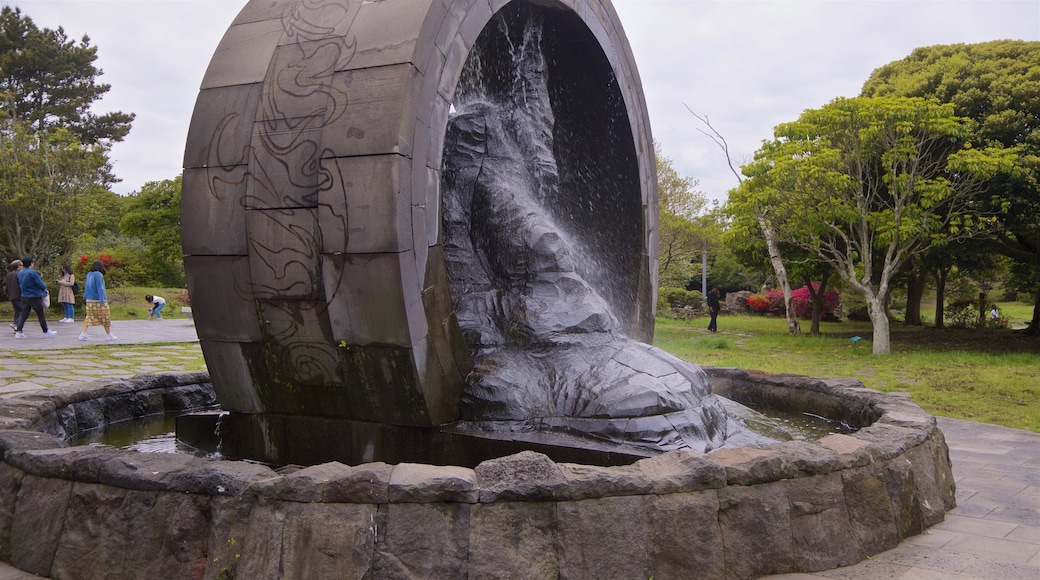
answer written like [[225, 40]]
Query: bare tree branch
[[719, 140]]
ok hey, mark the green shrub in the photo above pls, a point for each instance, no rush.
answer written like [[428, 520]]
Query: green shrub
[[129, 262], [669, 297], [961, 314]]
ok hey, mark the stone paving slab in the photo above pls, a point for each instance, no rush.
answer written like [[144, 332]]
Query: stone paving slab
[[49, 381], [78, 362], [21, 387], [1005, 550], [107, 372], [974, 526]]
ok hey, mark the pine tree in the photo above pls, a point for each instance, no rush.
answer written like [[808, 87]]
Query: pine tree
[[50, 81]]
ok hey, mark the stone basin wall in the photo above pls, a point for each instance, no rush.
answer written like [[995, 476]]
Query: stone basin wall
[[91, 512]]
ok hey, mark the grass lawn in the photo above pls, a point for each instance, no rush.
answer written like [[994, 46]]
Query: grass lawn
[[126, 303], [987, 375], [990, 375]]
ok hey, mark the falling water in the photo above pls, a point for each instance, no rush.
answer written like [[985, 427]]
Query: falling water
[[550, 354]]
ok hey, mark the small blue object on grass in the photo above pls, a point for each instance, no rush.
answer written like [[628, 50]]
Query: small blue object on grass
[[854, 339]]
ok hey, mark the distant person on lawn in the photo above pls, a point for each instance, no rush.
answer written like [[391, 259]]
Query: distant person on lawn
[[98, 313], [713, 308], [157, 304]]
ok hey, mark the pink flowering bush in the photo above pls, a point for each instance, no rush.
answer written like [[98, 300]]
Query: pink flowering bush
[[759, 303], [768, 302], [772, 301], [802, 301]]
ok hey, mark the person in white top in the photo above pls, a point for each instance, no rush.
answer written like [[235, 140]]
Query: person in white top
[[158, 303]]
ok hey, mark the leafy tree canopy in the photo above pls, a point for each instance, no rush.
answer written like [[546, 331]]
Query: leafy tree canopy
[[870, 178], [995, 86], [685, 230], [45, 179], [154, 215], [50, 81]]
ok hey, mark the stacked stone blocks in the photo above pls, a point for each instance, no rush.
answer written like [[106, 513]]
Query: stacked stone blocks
[[75, 512]]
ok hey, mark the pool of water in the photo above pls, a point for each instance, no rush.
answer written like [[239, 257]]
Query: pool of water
[[807, 426], [157, 433], [151, 434]]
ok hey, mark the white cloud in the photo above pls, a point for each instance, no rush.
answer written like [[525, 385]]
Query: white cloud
[[747, 65], [154, 54]]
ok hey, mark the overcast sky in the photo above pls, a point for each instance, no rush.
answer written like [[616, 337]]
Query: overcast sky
[[746, 65]]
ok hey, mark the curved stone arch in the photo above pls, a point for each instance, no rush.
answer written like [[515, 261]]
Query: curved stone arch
[[310, 206]]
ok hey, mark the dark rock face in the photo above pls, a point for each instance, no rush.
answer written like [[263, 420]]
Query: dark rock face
[[736, 302], [534, 291]]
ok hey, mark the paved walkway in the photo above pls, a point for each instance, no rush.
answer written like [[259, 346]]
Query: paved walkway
[[992, 534], [36, 362], [126, 331]]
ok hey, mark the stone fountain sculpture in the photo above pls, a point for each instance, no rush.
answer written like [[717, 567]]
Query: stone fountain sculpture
[[412, 212], [358, 268]]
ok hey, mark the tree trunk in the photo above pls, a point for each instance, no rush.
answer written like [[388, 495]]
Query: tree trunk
[[767, 231], [817, 301], [940, 296], [915, 287], [982, 309], [781, 274], [879, 320], [1034, 325]]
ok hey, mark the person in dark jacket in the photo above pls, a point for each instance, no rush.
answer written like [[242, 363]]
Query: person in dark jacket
[[713, 307], [33, 292]]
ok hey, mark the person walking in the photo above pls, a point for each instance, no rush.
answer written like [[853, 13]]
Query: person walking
[[157, 304], [713, 308], [66, 297], [98, 312], [33, 292], [14, 291]]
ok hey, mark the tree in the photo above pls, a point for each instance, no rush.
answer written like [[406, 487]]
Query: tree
[[996, 86], [49, 81], [868, 179], [730, 273], [915, 275], [682, 235], [965, 258], [154, 215], [99, 214], [765, 227], [750, 249], [44, 179], [54, 165]]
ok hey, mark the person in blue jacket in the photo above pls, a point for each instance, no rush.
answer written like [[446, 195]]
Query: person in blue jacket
[[98, 313], [33, 292]]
